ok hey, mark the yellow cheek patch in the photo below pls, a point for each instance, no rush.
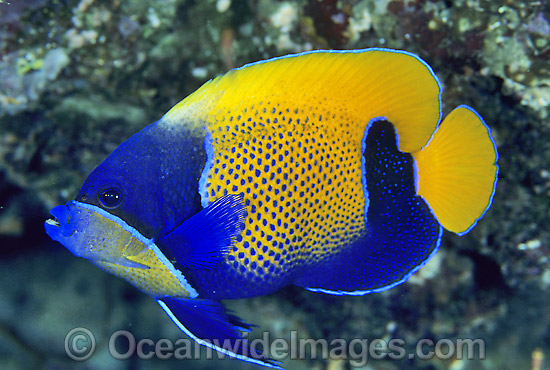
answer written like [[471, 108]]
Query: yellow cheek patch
[[158, 280], [116, 247]]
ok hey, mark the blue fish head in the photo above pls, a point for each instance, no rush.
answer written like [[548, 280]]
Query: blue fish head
[[149, 181]]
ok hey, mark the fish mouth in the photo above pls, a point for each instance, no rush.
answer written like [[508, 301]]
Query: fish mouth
[[58, 225], [53, 222]]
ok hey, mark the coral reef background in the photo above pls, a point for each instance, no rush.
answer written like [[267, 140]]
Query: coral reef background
[[78, 77]]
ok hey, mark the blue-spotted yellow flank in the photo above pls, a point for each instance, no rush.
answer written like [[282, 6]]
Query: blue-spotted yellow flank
[[329, 170]]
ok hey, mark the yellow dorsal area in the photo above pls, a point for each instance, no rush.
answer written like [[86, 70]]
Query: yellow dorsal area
[[457, 170], [360, 84]]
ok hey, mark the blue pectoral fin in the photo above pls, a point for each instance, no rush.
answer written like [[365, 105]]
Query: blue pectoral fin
[[203, 240], [208, 323]]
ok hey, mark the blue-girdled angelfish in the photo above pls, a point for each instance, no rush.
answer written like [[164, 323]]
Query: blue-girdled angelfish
[[329, 170]]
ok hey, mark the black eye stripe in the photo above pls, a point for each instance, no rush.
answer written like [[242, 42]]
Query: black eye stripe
[[110, 198]]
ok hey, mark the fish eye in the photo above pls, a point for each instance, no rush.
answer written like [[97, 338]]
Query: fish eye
[[110, 198]]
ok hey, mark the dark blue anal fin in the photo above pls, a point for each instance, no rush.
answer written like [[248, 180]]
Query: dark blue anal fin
[[203, 240], [401, 232], [210, 324]]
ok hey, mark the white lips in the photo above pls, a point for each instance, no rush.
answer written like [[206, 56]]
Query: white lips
[[52, 221]]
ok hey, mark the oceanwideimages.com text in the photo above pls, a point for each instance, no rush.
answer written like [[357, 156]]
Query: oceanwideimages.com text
[[80, 345]]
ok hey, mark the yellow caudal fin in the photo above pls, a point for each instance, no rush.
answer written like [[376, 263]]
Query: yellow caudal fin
[[457, 170], [346, 87]]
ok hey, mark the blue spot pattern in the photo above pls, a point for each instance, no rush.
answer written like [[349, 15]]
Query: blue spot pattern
[[301, 185]]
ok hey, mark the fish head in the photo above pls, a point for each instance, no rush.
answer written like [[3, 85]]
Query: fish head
[[96, 224], [144, 189], [149, 181]]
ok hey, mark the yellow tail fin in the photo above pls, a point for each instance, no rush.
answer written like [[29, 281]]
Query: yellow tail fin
[[457, 170]]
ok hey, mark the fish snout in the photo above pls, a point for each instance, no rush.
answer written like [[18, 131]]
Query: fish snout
[[58, 226]]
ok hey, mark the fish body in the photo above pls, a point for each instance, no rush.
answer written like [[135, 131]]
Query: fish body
[[328, 170]]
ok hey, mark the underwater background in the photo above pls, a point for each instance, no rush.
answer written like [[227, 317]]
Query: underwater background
[[78, 77]]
